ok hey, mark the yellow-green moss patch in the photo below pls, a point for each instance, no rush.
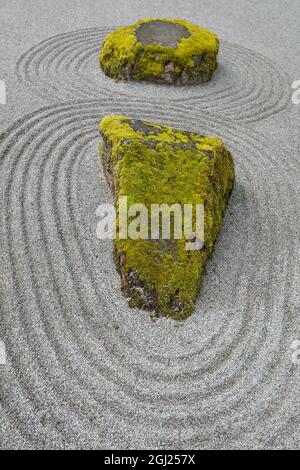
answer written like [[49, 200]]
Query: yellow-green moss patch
[[183, 54], [153, 164]]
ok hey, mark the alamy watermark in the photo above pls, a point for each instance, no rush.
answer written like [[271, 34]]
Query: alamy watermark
[[2, 353], [296, 94], [161, 221], [2, 92]]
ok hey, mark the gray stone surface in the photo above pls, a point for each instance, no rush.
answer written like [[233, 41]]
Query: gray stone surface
[[161, 32]]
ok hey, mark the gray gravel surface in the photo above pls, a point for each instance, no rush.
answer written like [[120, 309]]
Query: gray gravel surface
[[82, 369]]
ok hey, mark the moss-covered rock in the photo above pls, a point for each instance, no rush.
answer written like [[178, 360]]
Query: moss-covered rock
[[153, 164], [162, 50]]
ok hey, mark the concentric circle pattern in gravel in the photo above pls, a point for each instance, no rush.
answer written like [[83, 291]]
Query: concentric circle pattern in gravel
[[83, 370], [246, 87]]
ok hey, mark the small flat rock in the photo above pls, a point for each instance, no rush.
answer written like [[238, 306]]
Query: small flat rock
[[173, 52], [154, 164]]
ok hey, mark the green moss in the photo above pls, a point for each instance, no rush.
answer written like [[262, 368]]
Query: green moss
[[194, 59], [157, 164]]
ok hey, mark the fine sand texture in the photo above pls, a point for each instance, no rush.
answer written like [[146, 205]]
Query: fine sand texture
[[83, 370]]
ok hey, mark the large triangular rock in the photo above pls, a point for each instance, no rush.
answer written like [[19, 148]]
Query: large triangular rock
[[153, 164]]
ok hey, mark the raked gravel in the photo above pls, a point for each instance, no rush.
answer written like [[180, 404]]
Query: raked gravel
[[83, 370]]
